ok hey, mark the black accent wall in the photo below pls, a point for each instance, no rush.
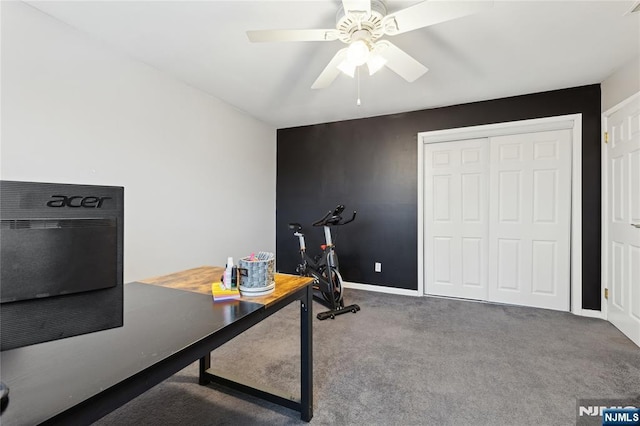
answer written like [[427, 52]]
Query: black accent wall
[[371, 166]]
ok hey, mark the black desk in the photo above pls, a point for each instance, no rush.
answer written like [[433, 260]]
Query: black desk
[[84, 378]]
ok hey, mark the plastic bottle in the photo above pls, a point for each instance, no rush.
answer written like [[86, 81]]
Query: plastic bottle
[[227, 273]]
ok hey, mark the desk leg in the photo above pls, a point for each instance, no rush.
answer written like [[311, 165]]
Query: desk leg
[[306, 356], [305, 404], [205, 364]]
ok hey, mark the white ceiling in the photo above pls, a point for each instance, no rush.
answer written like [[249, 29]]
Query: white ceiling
[[513, 48]]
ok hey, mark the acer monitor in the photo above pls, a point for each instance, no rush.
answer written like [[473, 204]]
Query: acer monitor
[[61, 261]]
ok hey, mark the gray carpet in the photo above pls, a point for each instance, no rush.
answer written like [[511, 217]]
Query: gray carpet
[[409, 361]]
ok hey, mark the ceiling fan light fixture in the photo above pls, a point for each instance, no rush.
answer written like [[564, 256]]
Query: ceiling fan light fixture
[[347, 67], [358, 52], [375, 63]]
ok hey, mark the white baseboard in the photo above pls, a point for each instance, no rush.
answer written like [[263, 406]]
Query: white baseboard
[[590, 313], [380, 289]]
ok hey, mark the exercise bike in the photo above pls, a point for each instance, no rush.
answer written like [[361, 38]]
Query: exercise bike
[[323, 268]]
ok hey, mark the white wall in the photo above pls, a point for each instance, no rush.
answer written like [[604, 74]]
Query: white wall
[[199, 176], [621, 84]]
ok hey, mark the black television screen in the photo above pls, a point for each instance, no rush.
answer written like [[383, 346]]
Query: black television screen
[[61, 259]]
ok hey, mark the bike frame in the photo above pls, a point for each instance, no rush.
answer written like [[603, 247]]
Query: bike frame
[[328, 259]]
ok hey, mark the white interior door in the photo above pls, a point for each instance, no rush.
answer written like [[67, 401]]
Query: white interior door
[[622, 218], [530, 219], [456, 226]]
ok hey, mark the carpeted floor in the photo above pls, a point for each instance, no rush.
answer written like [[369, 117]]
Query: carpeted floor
[[409, 361]]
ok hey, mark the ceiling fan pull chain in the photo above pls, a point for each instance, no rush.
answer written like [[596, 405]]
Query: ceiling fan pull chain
[[358, 101]]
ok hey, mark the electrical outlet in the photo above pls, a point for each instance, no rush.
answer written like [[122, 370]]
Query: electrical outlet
[[377, 267]]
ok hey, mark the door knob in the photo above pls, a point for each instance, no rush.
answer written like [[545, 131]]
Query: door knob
[[636, 225]]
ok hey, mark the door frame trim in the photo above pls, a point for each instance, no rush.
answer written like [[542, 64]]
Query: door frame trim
[[604, 247], [570, 121]]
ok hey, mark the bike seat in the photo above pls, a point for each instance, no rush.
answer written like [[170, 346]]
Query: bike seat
[[295, 226]]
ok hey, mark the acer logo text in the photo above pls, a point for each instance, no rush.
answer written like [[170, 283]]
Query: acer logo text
[[77, 201]]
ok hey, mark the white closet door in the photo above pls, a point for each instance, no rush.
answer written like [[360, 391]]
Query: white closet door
[[530, 217], [456, 213], [623, 219]]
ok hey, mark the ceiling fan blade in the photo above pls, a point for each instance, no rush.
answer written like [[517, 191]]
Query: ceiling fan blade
[[292, 35], [357, 7], [331, 71], [399, 61], [430, 13]]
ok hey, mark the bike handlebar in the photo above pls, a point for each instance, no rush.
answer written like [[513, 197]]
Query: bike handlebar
[[350, 220], [334, 218], [322, 221]]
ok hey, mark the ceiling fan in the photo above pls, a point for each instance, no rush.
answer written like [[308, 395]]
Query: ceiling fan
[[361, 23]]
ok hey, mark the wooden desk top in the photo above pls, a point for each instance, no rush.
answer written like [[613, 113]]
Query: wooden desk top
[[198, 280]]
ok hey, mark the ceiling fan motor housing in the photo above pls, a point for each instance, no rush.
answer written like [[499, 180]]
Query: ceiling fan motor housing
[[352, 26]]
